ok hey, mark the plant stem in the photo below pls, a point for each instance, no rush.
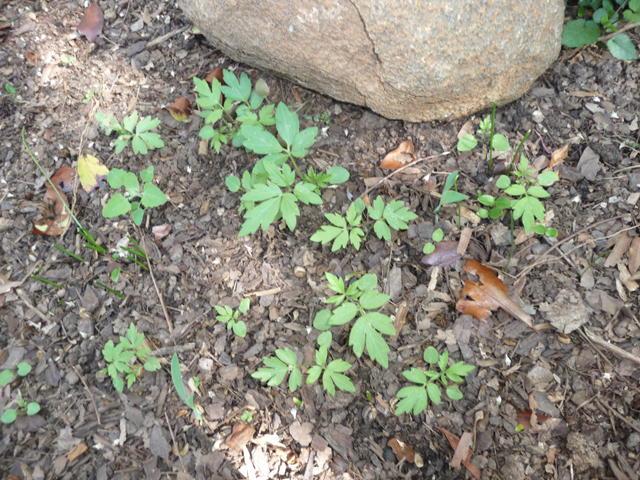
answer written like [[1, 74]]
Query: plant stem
[[55, 189], [111, 290], [628, 26], [295, 165], [80, 259], [493, 118], [43, 280], [513, 243], [517, 152]]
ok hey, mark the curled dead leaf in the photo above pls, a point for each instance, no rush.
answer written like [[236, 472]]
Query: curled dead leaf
[[180, 109], [76, 451], [558, 156], [401, 156], [32, 58], [161, 231], [64, 179], [444, 255], [217, 73], [401, 450], [241, 435], [92, 22], [454, 441], [55, 217]]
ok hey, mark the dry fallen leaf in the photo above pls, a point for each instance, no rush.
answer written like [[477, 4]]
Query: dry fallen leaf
[[161, 231], [525, 418], [444, 255], [487, 296], [401, 318], [180, 109], [401, 450], [92, 22], [91, 172], [462, 450], [241, 435], [634, 255], [621, 247], [32, 58], [217, 73], [77, 451], [558, 156], [65, 179], [454, 441], [56, 218], [399, 157]]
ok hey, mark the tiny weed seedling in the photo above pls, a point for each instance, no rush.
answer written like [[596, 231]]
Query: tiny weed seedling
[[344, 230], [149, 196], [247, 417], [394, 215], [605, 18], [360, 299], [449, 195], [12, 91], [228, 316], [176, 377], [142, 139], [276, 369], [497, 141], [436, 236], [528, 206], [122, 359], [31, 408], [416, 397], [323, 118]]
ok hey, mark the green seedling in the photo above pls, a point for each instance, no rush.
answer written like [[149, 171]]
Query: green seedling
[[139, 133], [394, 215], [31, 408], [298, 402], [334, 176], [89, 95], [344, 230], [449, 195], [7, 375], [360, 299], [230, 317], [128, 358], [176, 377], [247, 417], [416, 397], [12, 91], [323, 118], [605, 19], [115, 274], [498, 141], [529, 189], [436, 236], [68, 59], [277, 369], [149, 196]]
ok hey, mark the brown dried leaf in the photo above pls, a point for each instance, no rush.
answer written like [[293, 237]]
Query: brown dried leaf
[[401, 156], [401, 450], [444, 255], [180, 109], [558, 156], [401, 318], [56, 218], [524, 418], [32, 58], [454, 441], [77, 451], [634, 255], [217, 73], [241, 435], [161, 231], [92, 22], [488, 296], [462, 450], [621, 247], [65, 179]]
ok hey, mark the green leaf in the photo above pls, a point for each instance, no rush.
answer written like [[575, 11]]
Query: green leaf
[[372, 300], [116, 206], [551, 232], [579, 32], [397, 215], [428, 248], [321, 320], [327, 233], [503, 182], [152, 364], [503, 203], [343, 314], [287, 355], [382, 230], [537, 191], [333, 377], [622, 47], [9, 416], [116, 178], [547, 178], [240, 328], [303, 141], [33, 408], [366, 331], [413, 398], [151, 140], [434, 393], [454, 393], [438, 235], [500, 142], [262, 214], [324, 339], [138, 145], [313, 374], [355, 236], [237, 91], [5, 377], [377, 210], [23, 369], [416, 376], [244, 305], [262, 192], [337, 175], [146, 124], [539, 229], [153, 196], [233, 183], [367, 282], [118, 383], [460, 369], [295, 380], [335, 283], [487, 200], [466, 143], [287, 123], [515, 190], [443, 360], [452, 197], [121, 143], [131, 184], [305, 192], [631, 16], [130, 122], [147, 174], [431, 355], [260, 141]]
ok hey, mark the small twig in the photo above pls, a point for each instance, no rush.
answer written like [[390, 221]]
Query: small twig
[[262, 293], [609, 346], [95, 407], [175, 444], [401, 169], [7, 287], [618, 415], [628, 26], [308, 471], [166, 351], [566, 239], [23, 297], [161, 39], [164, 309]]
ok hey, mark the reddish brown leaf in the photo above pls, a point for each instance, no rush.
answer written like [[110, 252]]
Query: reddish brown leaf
[[634, 255], [56, 218], [401, 156], [524, 418], [180, 109], [77, 451], [240, 436], [401, 450], [217, 73], [454, 441], [444, 255], [32, 58], [161, 231], [65, 179], [488, 296], [92, 22], [462, 450], [558, 156]]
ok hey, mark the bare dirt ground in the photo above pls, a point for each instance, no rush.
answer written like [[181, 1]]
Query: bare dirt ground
[[585, 395]]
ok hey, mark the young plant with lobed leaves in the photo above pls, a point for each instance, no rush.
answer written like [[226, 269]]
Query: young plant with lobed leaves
[[529, 189], [360, 300], [227, 315], [416, 398], [285, 363], [139, 133], [149, 196], [123, 358], [605, 19]]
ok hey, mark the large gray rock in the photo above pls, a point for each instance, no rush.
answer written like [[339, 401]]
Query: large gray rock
[[415, 60]]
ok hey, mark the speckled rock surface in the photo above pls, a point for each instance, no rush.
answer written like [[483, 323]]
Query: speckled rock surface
[[439, 60]]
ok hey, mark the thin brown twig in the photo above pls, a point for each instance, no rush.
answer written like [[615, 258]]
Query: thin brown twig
[[628, 26], [398, 170], [95, 407], [175, 444], [164, 309], [27, 302], [612, 348], [564, 240], [618, 415]]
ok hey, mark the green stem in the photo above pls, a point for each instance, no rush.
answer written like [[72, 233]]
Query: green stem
[[517, 152], [80, 259], [133, 259], [111, 290], [55, 189], [594, 261], [493, 118], [513, 244], [295, 165], [47, 281]]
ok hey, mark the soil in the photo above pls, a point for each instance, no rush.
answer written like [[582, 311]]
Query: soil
[[585, 394]]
